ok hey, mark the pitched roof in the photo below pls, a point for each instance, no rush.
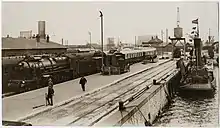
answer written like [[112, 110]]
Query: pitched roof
[[143, 38], [155, 40], [23, 43]]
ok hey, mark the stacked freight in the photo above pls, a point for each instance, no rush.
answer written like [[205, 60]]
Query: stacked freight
[[33, 72]]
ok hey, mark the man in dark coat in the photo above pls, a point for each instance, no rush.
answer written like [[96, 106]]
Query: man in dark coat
[[204, 59], [50, 93], [83, 82]]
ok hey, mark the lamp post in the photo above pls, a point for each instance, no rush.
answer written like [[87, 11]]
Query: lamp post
[[162, 43], [90, 39], [101, 15]]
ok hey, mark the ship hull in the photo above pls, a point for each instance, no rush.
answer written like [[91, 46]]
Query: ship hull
[[198, 88]]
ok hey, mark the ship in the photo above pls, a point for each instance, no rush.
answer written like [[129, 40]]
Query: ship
[[197, 76]]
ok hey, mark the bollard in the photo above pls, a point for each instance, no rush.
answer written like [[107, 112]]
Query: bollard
[[147, 123], [109, 70], [121, 106], [154, 82]]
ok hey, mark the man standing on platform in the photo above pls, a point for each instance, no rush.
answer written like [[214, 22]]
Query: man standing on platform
[[83, 82], [50, 93]]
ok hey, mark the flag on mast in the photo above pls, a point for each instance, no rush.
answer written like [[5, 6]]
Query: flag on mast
[[195, 21]]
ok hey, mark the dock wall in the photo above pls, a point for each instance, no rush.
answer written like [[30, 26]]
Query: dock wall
[[144, 110]]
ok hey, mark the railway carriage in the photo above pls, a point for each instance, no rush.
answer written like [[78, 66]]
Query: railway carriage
[[120, 61], [149, 54]]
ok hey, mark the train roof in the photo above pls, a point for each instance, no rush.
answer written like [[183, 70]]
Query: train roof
[[137, 51], [86, 54]]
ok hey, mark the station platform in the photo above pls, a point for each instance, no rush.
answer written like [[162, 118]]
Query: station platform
[[19, 106]]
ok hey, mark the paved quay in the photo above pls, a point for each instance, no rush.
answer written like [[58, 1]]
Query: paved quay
[[21, 105]]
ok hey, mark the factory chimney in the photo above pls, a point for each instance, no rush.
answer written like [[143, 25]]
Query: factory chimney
[[41, 29]]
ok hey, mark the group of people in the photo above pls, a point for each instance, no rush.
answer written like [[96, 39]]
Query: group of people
[[50, 92]]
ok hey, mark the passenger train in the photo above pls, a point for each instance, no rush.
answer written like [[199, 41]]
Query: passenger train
[[34, 71], [118, 62]]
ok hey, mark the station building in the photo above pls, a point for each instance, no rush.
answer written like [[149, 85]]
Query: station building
[[29, 46]]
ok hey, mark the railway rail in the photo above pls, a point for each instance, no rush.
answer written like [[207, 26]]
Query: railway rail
[[91, 108]]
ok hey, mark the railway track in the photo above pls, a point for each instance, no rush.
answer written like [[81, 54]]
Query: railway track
[[90, 109]]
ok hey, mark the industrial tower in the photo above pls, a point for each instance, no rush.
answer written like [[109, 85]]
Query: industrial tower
[[178, 35]]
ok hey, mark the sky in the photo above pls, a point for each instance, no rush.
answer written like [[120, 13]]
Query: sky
[[72, 21]]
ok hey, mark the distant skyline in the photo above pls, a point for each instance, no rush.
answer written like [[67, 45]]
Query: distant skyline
[[73, 21]]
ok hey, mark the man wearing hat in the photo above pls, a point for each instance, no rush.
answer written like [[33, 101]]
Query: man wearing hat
[[50, 94]]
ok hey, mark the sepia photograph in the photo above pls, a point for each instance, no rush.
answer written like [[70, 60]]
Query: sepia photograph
[[110, 63]]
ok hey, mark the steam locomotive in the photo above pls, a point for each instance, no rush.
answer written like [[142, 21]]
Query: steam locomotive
[[34, 71]]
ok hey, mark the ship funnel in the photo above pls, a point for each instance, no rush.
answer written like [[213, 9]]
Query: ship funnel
[[198, 47]]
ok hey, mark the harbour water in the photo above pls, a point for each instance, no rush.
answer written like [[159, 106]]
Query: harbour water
[[193, 111]]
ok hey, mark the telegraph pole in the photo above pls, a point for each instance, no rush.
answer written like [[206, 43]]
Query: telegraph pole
[[101, 15], [209, 37], [90, 39], [62, 41], [135, 41], [162, 42]]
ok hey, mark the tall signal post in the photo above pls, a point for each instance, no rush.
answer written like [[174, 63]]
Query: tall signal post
[[90, 40], [162, 41], [101, 15], [135, 43]]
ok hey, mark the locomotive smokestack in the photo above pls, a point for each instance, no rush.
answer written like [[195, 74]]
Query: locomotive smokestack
[[41, 29]]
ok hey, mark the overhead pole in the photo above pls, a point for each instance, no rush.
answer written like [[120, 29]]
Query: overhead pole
[[135, 41], [209, 37], [101, 15], [166, 38], [162, 42], [90, 40]]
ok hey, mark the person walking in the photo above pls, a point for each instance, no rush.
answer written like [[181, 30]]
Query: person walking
[[83, 81]]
